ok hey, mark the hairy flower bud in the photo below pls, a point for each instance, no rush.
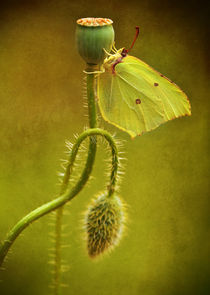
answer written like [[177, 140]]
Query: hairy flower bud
[[92, 36], [104, 224]]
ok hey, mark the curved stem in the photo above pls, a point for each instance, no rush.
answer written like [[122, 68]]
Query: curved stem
[[89, 164], [68, 195]]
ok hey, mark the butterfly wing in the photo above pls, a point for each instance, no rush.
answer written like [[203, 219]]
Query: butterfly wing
[[137, 99]]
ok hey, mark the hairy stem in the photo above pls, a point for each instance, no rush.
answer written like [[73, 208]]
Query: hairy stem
[[89, 164], [58, 236]]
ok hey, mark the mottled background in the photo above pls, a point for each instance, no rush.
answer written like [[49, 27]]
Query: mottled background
[[166, 183]]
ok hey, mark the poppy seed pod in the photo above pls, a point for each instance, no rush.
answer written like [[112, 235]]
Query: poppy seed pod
[[92, 36], [104, 222]]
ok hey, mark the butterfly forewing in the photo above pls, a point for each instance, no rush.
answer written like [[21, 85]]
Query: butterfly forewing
[[136, 98], [175, 101]]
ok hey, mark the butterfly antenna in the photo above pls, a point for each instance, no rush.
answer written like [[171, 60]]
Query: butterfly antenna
[[134, 40]]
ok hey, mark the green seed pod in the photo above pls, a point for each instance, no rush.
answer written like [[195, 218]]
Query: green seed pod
[[104, 224], [92, 36]]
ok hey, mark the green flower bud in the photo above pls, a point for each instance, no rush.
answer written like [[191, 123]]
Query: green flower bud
[[104, 224], [92, 36]]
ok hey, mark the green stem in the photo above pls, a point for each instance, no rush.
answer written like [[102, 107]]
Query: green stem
[[68, 195], [89, 164]]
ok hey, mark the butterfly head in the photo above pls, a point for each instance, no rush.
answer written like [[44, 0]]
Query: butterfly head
[[124, 52]]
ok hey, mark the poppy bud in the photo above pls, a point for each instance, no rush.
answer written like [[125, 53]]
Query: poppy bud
[[92, 36], [104, 224]]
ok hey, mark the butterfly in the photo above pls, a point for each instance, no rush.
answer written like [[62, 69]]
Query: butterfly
[[135, 97]]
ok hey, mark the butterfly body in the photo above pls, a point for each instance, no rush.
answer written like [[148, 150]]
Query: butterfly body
[[136, 98]]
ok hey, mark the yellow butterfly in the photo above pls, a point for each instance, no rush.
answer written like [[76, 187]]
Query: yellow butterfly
[[136, 98]]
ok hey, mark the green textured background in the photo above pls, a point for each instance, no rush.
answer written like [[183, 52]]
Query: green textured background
[[165, 249]]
